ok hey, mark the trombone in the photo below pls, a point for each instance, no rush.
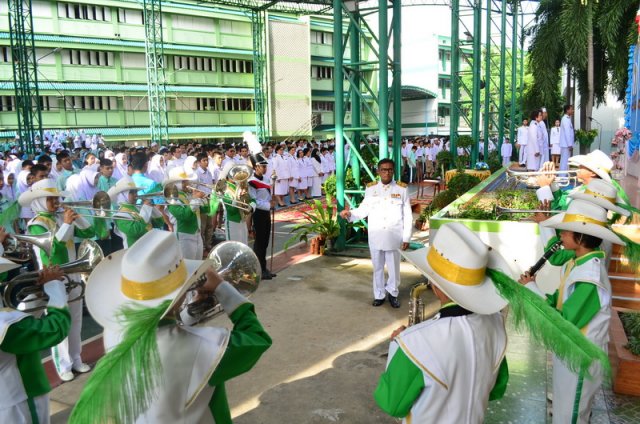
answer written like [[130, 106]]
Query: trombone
[[23, 288], [563, 178], [171, 195], [100, 205]]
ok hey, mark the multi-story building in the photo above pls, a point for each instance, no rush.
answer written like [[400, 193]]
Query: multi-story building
[[92, 71]]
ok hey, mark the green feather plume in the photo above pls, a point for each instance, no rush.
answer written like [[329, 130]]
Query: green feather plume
[[9, 214], [548, 327], [122, 384], [631, 251]]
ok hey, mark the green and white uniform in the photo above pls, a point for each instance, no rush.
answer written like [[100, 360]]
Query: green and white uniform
[[445, 370], [187, 221], [561, 198], [131, 230], [196, 362], [237, 229], [584, 299], [63, 251], [25, 386]]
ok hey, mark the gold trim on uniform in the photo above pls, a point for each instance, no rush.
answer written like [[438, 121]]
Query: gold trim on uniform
[[372, 183], [401, 184]]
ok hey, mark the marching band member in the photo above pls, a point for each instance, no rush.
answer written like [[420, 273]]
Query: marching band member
[[44, 199], [436, 372], [235, 218], [583, 298], [22, 338], [260, 189], [131, 226], [181, 370], [187, 213]]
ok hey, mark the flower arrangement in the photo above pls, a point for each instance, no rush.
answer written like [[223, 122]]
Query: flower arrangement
[[482, 165], [618, 149]]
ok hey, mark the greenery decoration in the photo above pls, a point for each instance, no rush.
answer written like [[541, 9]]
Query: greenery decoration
[[443, 198], [631, 324], [329, 185], [586, 138], [321, 220], [462, 182]]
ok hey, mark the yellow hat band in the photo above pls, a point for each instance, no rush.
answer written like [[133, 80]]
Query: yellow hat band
[[593, 193], [51, 190], [452, 272], [569, 217], [161, 287]]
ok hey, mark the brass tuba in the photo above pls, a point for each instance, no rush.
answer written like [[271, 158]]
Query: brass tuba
[[416, 304], [23, 288], [237, 264], [19, 246]]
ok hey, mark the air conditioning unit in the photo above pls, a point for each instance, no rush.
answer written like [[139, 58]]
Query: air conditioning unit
[[441, 121]]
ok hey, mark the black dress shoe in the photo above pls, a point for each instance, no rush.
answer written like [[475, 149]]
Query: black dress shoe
[[393, 300], [266, 276], [377, 302]]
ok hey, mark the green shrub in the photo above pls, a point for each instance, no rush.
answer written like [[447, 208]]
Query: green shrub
[[442, 199], [444, 158], [494, 160], [428, 212], [461, 183], [631, 324], [329, 185], [465, 141], [474, 210]]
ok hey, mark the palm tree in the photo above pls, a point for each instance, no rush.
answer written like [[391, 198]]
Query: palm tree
[[592, 39]]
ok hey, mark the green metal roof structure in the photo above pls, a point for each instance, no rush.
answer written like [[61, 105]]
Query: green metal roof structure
[[412, 92]]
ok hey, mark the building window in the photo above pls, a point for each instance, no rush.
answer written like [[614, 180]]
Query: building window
[[236, 104], [321, 106], [5, 54], [7, 103], [444, 84], [206, 104], [47, 103], [84, 11], [194, 63], [129, 16], [321, 72], [87, 58], [321, 37], [444, 111], [91, 102], [236, 66]]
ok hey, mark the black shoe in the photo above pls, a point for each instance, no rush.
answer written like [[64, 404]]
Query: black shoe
[[267, 272], [377, 302], [393, 300], [266, 276]]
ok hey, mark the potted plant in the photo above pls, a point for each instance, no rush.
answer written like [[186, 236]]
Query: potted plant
[[624, 348], [321, 221], [585, 139]]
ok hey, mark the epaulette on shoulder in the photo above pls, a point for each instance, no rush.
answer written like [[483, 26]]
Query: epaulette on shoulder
[[372, 183], [401, 184]]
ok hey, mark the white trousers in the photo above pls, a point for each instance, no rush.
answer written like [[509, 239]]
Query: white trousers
[[191, 245], [564, 158], [506, 160], [20, 413], [237, 231], [392, 259], [565, 385], [522, 152], [67, 352]]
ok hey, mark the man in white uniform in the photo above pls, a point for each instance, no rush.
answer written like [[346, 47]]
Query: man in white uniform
[[533, 142], [544, 137], [567, 136], [522, 141], [386, 203]]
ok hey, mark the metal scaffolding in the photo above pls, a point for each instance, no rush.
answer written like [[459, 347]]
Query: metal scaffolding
[[25, 74], [156, 90], [260, 86]]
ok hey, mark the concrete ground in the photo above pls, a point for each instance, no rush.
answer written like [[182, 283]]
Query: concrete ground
[[329, 347]]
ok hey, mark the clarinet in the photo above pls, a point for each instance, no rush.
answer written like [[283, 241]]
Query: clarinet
[[536, 267]]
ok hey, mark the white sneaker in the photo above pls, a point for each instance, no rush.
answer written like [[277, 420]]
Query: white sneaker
[[82, 368], [67, 376]]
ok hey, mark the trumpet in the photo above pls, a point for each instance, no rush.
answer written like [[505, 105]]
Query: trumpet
[[19, 246], [563, 178], [23, 288], [504, 211], [237, 264]]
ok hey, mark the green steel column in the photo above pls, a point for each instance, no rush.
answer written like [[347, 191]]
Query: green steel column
[[383, 78], [503, 58], [487, 81], [260, 87], [397, 85], [25, 75], [521, 67], [338, 89], [514, 69], [356, 121], [477, 70], [455, 83]]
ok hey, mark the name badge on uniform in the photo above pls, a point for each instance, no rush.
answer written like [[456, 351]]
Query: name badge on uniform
[[396, 196]]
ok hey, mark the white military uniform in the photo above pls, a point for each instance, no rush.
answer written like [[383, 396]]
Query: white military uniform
[[567, 138], [453, 352], [533, 147], [544, 140], [522, 143], [555, 140], [390, 220]]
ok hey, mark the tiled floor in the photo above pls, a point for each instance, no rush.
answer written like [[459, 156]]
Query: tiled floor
[[529, 382]]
